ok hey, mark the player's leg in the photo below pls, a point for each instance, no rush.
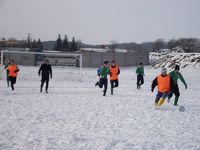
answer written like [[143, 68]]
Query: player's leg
[[12, 81], [138, 81], [101, 82], [141, 80], [47, 85], [116, 83], [158, 96], [8, 80], [163, 97], [42, 83], [105, 86], [111, 86], [177, 94]]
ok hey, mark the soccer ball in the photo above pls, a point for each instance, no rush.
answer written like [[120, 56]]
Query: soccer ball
[[181, 108]]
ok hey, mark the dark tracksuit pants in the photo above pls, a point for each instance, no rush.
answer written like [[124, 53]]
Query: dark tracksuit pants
[[140, 80], [8, 80], [42, 83], [114, 84], [12, 81], [175, 91], [103, 82]]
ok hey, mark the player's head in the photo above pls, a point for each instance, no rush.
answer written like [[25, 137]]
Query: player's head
[[163, 71], [176, 68], [106, 62], [12, 62], [113, 63], [46, 61], [140, 63]]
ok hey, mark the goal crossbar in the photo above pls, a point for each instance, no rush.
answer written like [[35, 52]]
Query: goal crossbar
[[76, 56]]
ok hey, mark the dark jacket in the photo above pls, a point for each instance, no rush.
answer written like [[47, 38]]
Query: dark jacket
[[46, 70]]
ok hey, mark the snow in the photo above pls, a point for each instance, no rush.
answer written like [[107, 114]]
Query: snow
[[104, 50], [74, 115], [185, 60]]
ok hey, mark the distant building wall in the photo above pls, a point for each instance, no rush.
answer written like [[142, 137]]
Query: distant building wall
[[89, 58], [123, 59]]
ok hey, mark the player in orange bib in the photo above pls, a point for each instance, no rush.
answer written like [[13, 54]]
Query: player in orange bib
[[164, 83], [13, 72], [114, 72]]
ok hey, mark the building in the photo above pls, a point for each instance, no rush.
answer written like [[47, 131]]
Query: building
[[91, 58], [125, 58]]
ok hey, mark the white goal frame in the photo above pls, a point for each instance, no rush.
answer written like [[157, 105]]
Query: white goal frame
[[76, 56]]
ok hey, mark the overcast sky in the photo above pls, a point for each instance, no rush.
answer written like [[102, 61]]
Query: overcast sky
[[100, 21]]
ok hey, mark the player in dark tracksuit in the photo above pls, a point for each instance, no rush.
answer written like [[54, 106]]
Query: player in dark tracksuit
[[140, 75], [102, 73], [175, 75], [103, 79], [46, 71]]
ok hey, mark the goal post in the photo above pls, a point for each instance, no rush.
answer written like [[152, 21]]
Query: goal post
[[36, 58]]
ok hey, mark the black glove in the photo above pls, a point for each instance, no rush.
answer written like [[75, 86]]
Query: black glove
[[151, 90]]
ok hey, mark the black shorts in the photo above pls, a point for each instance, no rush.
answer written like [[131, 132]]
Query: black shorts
[[13, 80]]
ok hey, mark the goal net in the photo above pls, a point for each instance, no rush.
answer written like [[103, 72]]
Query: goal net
[[72, 61]]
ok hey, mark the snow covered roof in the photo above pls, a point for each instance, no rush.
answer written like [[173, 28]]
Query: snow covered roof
[[104, 50]]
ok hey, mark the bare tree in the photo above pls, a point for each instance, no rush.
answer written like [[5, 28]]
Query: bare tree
[[113, 45], [158, 44]]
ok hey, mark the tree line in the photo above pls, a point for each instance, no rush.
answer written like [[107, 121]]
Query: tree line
[[64, 45], [38, 46], [188, 45]]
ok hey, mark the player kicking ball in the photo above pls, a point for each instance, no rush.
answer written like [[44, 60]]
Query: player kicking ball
[[164, 83]]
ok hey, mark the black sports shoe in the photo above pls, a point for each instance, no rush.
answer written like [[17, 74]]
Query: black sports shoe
[[97, 83]]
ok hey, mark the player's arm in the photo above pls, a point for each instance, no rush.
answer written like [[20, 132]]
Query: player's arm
[[182, 80], [17, 69], [40, 70], [118, 71], [154, 84], [50, 70], [5, 67], [143, 71], [137, 70]]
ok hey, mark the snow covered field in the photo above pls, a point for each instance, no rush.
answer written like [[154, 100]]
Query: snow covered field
[[75, 116]]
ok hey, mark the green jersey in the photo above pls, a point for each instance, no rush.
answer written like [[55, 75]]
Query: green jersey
[[104, 72], [175, 76], [140, 70]]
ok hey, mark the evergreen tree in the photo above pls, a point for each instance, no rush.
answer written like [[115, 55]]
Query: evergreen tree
[[34, 45], [66, 44], [39, 45], [58, 46], [73, 45]]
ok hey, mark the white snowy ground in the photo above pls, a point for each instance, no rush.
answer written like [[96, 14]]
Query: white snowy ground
[[75, 116]]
